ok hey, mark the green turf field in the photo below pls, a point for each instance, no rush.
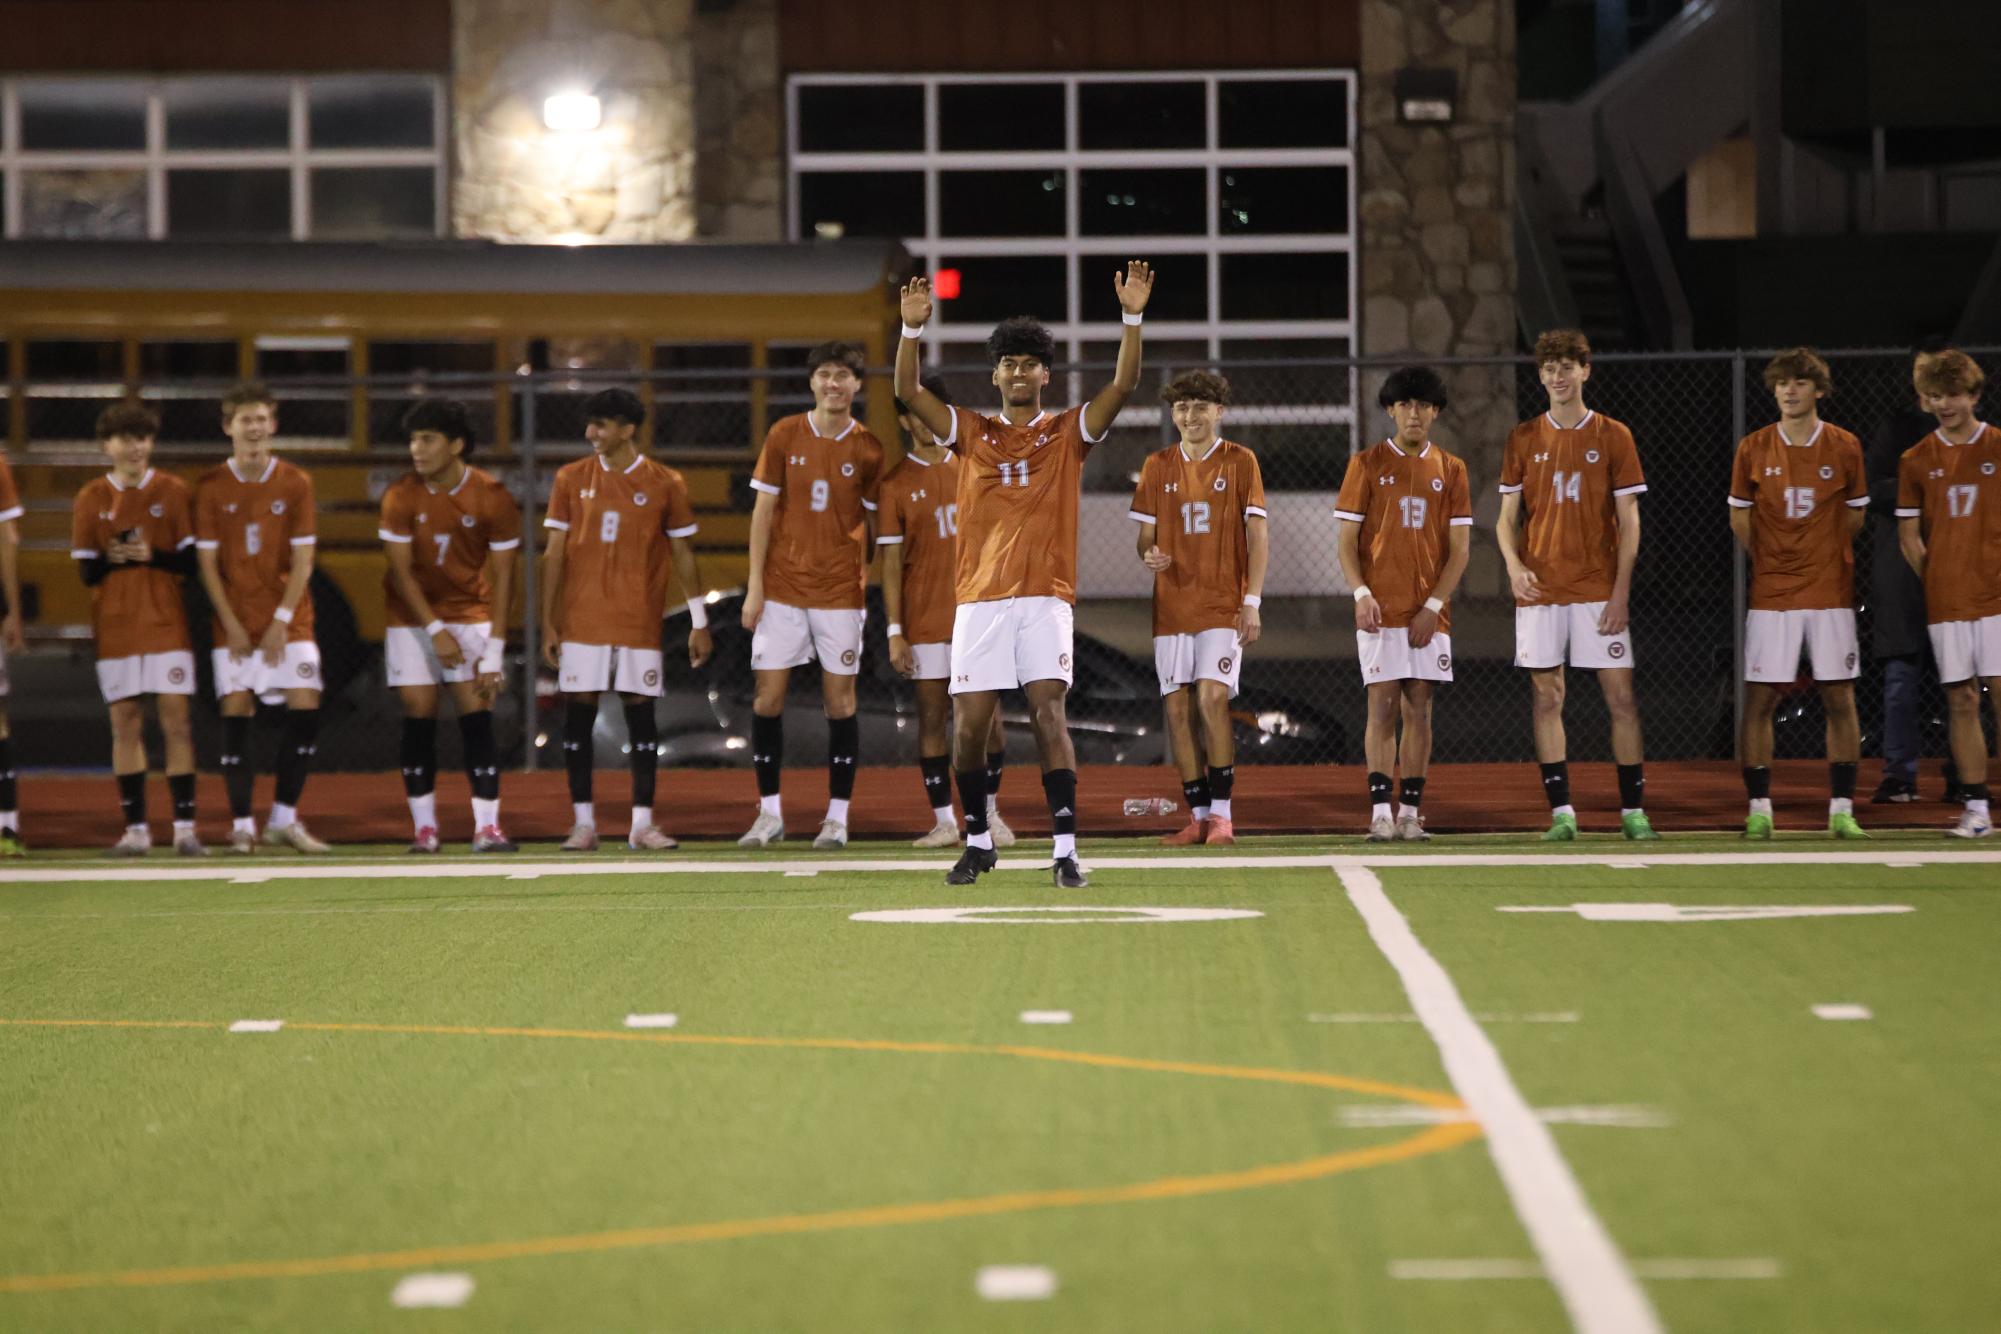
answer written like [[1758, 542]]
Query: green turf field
[[1251, 1122]]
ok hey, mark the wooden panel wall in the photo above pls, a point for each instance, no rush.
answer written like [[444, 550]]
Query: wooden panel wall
[[250, 36]]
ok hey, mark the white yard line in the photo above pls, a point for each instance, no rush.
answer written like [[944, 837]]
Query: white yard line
[[1591, 1277], [1462, 1270], [1363, 1017]]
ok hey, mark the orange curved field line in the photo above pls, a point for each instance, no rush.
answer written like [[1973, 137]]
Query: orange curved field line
[[1433, 1139]]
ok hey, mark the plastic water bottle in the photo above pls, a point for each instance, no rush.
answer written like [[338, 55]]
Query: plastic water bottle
[[1139, 806]]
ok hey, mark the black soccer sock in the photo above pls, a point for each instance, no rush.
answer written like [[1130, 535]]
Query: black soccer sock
[[1196, 793], [1757, 782], [238, 778], [1411, 793], [1556, 783], [296, 746], [973, 796], [767, 751], [580, 720], [1222, 781], [642, 730], [937, 771], [420, 756], [844, 739], [9, 795], [1973, 791], [181, 787], [132, 796], [1379, 789], [1059, 788], [1841, 779], [481, 753], [1633, 786], [996, 761]]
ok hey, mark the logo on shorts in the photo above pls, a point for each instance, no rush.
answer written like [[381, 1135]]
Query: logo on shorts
[[157, 511], [652, 677], [1851, 662], [847, 470], [176, 675], [1220, 483], [466, 521], [305, 671], [847, 657], [277, 507], [1438, 483], [1615, 650], [1445, 662], [1826, 472], [1223, 664], [1590, 456], [1063, 661], [639, 499]]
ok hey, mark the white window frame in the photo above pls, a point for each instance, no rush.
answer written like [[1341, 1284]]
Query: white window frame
[[156, 159]]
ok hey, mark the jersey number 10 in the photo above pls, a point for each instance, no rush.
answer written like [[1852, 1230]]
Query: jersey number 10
[[948, 521]]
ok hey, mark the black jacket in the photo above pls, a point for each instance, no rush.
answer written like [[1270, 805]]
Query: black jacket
[[1896, 595]]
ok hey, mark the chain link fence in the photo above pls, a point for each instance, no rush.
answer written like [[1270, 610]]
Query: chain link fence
[[1301, 687]]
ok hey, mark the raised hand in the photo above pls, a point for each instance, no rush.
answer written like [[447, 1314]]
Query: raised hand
[[917, 302], [1134, 286]]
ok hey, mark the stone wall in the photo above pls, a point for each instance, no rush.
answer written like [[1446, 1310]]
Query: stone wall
[[739, 125]]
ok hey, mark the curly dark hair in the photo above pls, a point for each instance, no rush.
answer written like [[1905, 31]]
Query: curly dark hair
[[447, 416], [131, 418], [934, 382], [1021, 336], [615, 405], [1205, 385], [1412, 384]]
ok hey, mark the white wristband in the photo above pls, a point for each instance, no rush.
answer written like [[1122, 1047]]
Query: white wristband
[[913, 331], [1362, 591], [434, 629], [283, 616], [1253, 600], [698, 614], [492, 657], [1434, 604], [895, 629], [1133, 319]]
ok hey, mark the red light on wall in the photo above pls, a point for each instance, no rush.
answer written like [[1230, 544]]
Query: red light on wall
[[945, 284]]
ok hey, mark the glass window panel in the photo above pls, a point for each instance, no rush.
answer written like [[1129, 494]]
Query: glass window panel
[[1290, 349], [187, 417], [208, 359], [228, 113], [385, 420], [438, 356], [367, 203], [1000, 117], [864, 203], [1180, 289], [861, 117], [66, 419], [82, 113], [236, 201], [281, 358], [1262, 201], [1285, 287], [1000, 203], [993, 287], [1142, 201], [1282, 113], [104, 203], [371, 111], [73, 360], [1141, 115]]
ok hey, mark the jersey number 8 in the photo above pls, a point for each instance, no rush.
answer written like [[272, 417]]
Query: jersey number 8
[[253, 539], [607, 528]]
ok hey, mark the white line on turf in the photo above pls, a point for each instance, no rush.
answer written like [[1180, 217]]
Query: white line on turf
[[1451, 1270], [415, 1290], [1353, 1017], [803, 874], [257, 1025], [1741, 912], [1369, 1116], [1842, 1010], [1045, 1016], [1590, 1276], [1015, 1283], [651, 1020]]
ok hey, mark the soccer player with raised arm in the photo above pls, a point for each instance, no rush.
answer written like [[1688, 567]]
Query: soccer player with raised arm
[[917, 510], [255, 530], [1020, 478], [133, 536], [451, 533], [1799, 494], [1574, 475], [1200, 506], [812, 532], [1405, 522], [616, 520], [1949, 524]]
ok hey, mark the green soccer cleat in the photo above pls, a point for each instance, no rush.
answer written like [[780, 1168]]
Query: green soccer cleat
[[1637, 827], [1758, 826], [1562, 829], [11, 844], [1842, 825]]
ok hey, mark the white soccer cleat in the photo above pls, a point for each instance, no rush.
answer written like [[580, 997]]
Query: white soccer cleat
[[1382, 829], [243, 842], [764, 831], [188, 844], [941, 836], [1410, 829], [583, 838], [426, 840], [134, 842], [833, 834], [650, 838], [1003, 836], [1971, 826], [297, 837]]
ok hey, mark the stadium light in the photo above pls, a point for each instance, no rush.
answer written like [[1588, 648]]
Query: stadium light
[[569, 112]]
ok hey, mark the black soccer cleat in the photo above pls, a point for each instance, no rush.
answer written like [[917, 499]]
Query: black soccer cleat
[[1064, 873], [972, 863]]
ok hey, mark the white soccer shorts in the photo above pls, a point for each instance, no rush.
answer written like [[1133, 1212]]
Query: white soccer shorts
[[934, 661], [1546, 635], [1386, 655], [298, 669], [792, 636], [1965, 649], [1773, 639], [412, 660], [585, 669], [1206, 655], [171, 673], [1008, 642]]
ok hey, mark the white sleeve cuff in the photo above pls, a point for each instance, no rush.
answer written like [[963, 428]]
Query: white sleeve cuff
[[689, 531], [1460, 521], [765, 487], [12, 512], [508, 545], [890, 540], [388, 536], [1858, 502], [1258, 510], [84, 555], [1629, 490], [869, 505], [212, 546], [951, 436], [184, 544], [1903, 513], [304, 541], [1347, 517], [557, 524], [1514, 490], [1137, 517], [1739, 504], [1085, 431]]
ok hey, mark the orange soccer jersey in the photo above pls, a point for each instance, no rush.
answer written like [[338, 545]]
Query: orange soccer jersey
[[1200, 509], [1955, 493], [1018, 504], [1569, 480], [616, 564], [135, 609], [818, 558], [449, 534], [252, 525], [1802, 556], [1406, 505], [919, 511]]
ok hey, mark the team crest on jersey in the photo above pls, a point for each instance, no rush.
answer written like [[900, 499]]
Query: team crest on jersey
[[466, 521], [1826, 473], [105, 515], [1221, 483], [1615, 650], [230, 508], [277, 507], [157, 511], [1590, 456], [1438, 483], [1988, 467], [639, 499], [847, 470]]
